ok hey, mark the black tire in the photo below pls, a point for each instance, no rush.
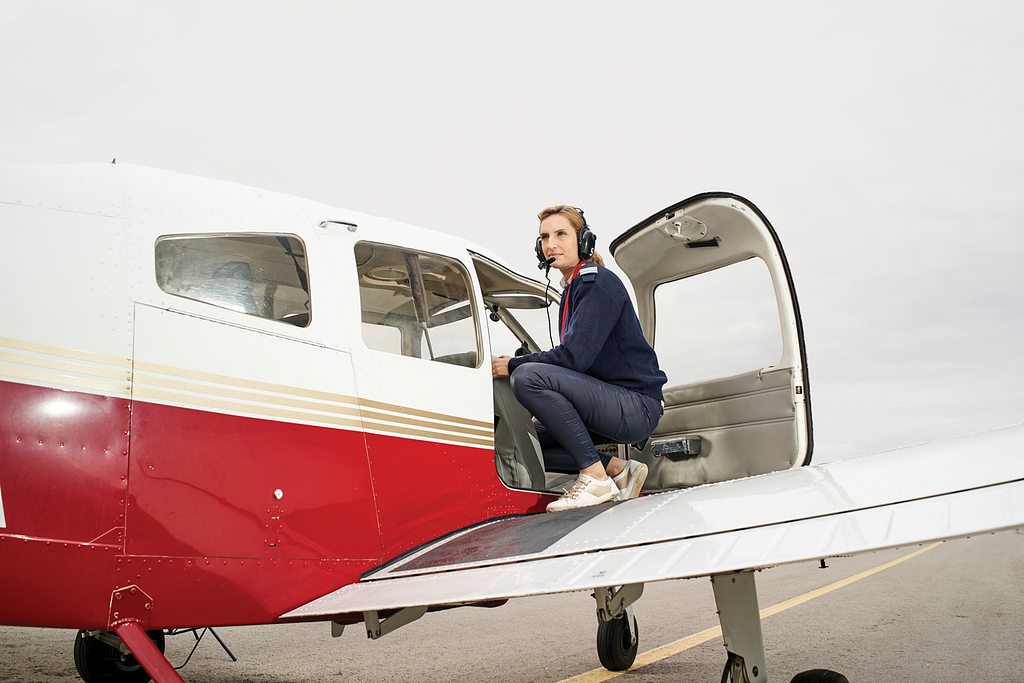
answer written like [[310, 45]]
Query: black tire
[[615, 648], [98, 662], [819, 676]]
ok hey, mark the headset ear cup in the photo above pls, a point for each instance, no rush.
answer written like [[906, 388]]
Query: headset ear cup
[[539, 250], [586, 244]]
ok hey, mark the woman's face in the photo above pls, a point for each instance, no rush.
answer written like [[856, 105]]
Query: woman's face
[[558, 239]]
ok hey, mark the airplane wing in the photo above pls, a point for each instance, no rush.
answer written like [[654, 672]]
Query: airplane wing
[[945, 489]]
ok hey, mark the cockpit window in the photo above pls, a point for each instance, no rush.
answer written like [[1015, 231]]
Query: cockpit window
[[417, 304], [261, 275], [520, 322]]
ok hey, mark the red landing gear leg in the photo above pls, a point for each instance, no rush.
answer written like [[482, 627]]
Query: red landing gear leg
[[147, 654]]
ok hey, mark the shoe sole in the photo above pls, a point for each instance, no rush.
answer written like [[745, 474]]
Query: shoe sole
[[549, 508]]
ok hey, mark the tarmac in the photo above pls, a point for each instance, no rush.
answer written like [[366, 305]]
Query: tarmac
[[951, 611]]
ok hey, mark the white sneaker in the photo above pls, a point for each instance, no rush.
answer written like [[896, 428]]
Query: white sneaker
[[586, 491], [630, 480]]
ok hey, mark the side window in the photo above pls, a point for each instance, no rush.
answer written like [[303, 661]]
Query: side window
[[261, 275], [417, 304], [717, 324], [537, 321]]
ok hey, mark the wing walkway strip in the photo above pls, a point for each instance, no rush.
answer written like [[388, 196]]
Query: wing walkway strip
[[666, 651]]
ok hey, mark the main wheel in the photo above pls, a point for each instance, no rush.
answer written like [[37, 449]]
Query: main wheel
[[615, 647], [819, 676], [98, 662]]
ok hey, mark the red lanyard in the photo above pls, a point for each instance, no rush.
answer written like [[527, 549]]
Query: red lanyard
[[565, 300]]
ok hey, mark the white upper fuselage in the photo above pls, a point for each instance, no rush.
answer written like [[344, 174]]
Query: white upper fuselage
[[88, 284]]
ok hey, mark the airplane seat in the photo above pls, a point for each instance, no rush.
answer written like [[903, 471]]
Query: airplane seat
[[517, 453]]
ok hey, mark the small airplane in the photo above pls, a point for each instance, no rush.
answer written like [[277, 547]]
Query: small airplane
[[227, 406]]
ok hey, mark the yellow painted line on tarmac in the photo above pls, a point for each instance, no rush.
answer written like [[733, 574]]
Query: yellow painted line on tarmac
[[666, 651]]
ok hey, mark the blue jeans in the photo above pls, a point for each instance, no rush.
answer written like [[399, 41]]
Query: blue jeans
[[575, 410]]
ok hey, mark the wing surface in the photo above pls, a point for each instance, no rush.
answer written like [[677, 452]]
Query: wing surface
[[946, 489]]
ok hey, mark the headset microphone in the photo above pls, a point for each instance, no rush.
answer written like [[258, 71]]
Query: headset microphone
[[545, 264]]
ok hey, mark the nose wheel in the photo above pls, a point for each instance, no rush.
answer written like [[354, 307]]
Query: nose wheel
[[618, 642], [617, 633]]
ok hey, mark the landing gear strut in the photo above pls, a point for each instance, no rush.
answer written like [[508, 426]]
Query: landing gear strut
[[736, 597]]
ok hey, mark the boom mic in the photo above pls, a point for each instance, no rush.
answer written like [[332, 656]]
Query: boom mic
[[545, 264]]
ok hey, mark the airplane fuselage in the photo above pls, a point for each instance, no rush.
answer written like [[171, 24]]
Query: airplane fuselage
[[181, 460]]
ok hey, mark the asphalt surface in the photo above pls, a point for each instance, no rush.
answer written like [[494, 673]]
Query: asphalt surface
[[954, 612]]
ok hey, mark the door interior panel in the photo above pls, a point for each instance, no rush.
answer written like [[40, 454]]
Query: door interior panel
[[715, 297], [750, 418]]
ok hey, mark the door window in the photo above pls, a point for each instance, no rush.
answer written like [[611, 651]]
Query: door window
[[717, 324], [417, 304]]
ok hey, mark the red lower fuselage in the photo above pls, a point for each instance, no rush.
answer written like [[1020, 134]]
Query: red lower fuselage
[[214, 519]]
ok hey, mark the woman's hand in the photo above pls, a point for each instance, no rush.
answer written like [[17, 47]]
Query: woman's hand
[[499, 366]]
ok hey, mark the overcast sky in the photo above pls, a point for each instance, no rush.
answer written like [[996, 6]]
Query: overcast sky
[[881, 139]]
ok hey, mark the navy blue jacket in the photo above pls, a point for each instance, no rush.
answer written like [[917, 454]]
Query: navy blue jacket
[[601, 335]]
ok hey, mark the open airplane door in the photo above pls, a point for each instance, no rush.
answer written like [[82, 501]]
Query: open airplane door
[[715, 298]]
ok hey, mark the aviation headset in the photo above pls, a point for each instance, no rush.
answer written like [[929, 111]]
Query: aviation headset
[[586, 240]]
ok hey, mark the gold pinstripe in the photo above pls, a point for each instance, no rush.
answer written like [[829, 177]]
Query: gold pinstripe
[[233, 406], [223, 393], [64, 353], [107, 388], [336, 403], [142, 366], [63, 367], [45, 364], [142, 381]]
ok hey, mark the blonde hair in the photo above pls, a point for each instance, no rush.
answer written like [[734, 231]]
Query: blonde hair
[[576, 220]]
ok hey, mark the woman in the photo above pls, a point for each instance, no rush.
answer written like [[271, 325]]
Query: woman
[[601, 382]]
